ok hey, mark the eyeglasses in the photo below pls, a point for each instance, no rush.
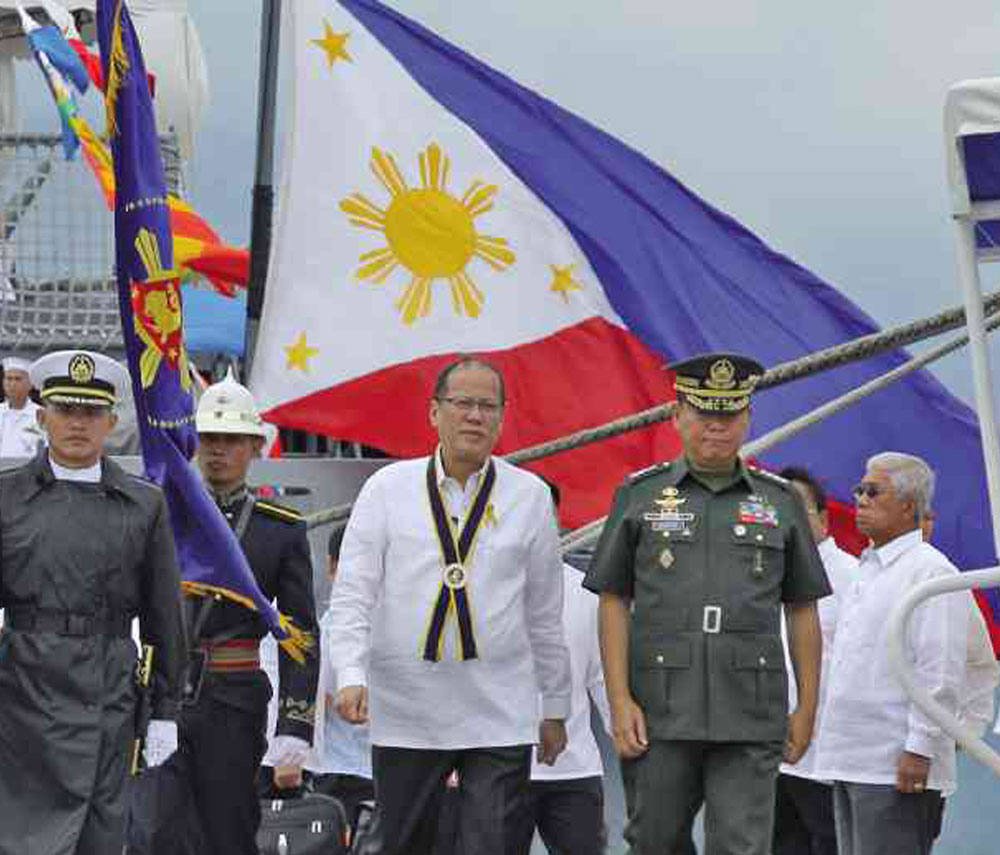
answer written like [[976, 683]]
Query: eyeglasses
[[490, 409], [869, 490]]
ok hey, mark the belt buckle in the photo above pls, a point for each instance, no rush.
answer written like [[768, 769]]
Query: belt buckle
[[711, 620]]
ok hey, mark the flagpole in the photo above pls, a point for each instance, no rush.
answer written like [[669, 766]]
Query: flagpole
[[263, 191]]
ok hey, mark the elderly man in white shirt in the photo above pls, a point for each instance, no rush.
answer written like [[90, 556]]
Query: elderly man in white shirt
[[567, 798], [803, 816], [891, 764], [446, 623], [20, 434]]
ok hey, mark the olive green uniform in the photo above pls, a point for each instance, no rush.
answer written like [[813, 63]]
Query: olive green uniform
[[706, 562]]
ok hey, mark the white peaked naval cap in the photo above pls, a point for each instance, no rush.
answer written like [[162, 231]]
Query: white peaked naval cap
[[78, 377], [228, 407]]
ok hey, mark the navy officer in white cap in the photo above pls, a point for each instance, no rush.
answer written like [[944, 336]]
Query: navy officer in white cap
[[84, 549], [19, 431]]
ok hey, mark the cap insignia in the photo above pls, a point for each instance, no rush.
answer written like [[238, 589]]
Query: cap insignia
[[721, 375], [81, 369]]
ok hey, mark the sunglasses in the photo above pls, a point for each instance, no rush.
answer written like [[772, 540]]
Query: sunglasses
[[869, 490]]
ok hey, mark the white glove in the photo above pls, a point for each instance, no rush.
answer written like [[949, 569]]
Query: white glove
[[288, 751], [161, 741]]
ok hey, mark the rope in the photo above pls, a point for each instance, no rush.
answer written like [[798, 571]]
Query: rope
[[592, 531], [814, 363]]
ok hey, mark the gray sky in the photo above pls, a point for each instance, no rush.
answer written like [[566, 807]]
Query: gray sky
[[816, 125]]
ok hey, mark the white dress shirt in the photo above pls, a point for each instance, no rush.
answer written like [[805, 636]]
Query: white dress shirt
[[20, 435], [982, 673], [582, 757], [269, 665], [338, 746], [868, 720], [841, 569], [388, 580], [87, 475]]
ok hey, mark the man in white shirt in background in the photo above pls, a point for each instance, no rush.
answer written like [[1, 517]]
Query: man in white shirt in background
[[566, 804], [20, 434], [446, 620], [803, 818], [341, 761], [890, 763], [982, 672]]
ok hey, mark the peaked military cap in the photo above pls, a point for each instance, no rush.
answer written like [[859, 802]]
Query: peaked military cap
[[78, 377], [717, 382]]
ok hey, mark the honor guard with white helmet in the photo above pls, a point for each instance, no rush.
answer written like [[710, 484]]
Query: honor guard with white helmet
[[228, 407], [224, 717], [694, 562], [20, 433], [84, 549]]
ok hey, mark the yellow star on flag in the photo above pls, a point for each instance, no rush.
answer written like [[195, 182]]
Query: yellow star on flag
[[563, 281], [299, 354], [333, 44]]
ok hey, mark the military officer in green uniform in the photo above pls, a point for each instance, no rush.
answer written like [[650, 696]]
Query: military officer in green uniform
[[695, 559]]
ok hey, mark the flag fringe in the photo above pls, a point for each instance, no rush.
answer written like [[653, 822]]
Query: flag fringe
[[296, 643], [118, 66], [201, 589]]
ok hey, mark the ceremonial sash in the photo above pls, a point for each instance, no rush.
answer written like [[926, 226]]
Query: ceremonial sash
[[453, 594]]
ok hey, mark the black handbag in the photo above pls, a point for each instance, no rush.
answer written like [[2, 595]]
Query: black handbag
[[311, 824]]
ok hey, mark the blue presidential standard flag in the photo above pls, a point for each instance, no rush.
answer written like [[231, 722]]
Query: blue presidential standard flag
[[210, 557]]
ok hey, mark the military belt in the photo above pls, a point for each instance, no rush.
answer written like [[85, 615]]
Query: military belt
[[239, 654], [710, 619], [74, 624]]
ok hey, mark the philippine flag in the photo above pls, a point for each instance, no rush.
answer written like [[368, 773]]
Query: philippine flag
[[433, 206]]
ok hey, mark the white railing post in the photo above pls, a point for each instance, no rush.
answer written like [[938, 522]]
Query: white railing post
[[970, 741]]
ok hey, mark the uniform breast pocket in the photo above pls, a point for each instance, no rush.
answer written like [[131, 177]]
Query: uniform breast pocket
[[761, 550], [656, 666]]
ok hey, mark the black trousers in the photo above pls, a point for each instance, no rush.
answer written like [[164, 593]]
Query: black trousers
[[803, 818], [568, 814], [219, 751], [409, 786], [349, 790]]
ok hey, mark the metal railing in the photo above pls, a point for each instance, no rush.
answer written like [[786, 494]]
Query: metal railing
[[57, 285]]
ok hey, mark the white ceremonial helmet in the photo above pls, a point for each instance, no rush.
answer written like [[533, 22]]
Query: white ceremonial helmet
[[228, 407]]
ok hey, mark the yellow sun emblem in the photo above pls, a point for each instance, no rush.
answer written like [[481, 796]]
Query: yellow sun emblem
[[429, 232]]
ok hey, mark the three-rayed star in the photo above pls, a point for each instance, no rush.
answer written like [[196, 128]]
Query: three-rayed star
[[333, 44], [563, 281], [299, 354]]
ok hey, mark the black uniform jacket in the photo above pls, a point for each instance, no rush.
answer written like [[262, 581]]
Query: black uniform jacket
[[91, 557], [277, 550]]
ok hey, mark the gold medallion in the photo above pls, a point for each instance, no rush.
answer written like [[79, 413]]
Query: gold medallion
[[454, 576], [666, 559]]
